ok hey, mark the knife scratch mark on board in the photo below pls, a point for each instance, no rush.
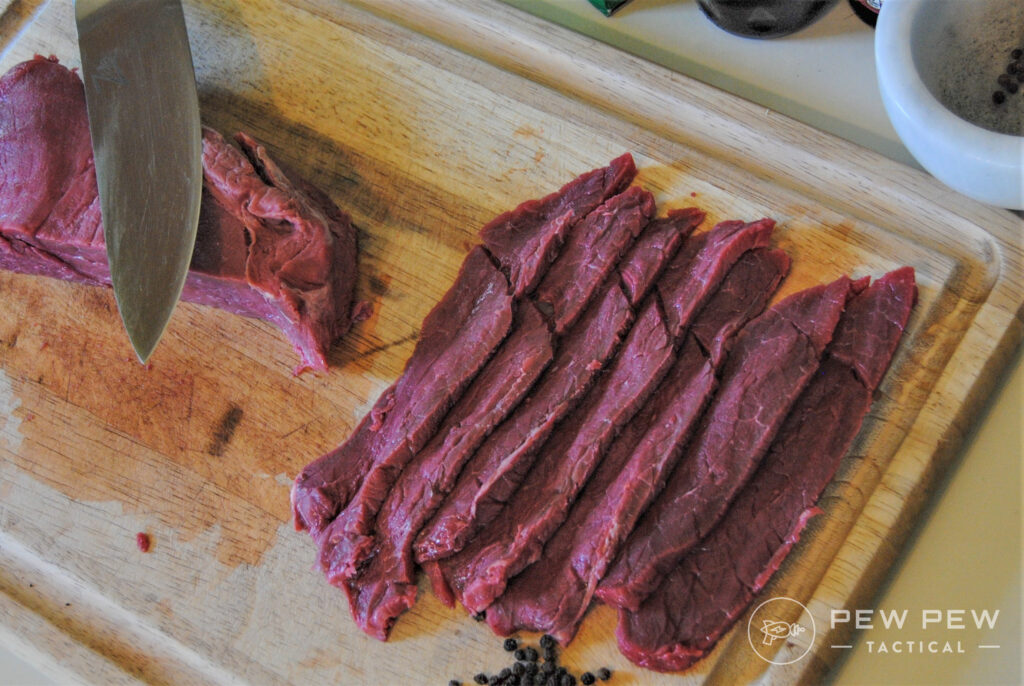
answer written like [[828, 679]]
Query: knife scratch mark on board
[[392, 344], [10, 424]]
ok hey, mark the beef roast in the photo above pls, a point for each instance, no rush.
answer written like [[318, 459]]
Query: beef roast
[[458, 337], [46, 163], [301, 249], [269, 245], [478, 573], [701, 598], [526, 239], [772, 360], [553, 594]]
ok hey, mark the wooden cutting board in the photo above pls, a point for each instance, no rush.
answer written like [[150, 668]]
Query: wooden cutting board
[[425, 120]]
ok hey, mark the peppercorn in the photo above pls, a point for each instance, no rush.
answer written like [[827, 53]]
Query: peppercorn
[[511, 644], [587, 678], [604, 674], [454, 682], [1016, 53], [494, 680], [539, 679], [999, 97], [531, 654], [547, 668], [547, 641], [520, 654], [480, 616], [567, 680], [480, 678], [550, 654]]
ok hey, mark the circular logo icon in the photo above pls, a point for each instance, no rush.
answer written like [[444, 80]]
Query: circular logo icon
[[779, 623]]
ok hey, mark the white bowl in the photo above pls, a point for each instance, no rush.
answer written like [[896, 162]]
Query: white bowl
[[939, 57]]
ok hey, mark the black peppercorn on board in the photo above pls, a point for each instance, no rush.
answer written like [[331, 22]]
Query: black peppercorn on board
[[425, 120]]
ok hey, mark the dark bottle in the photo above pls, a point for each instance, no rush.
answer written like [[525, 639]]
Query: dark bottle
[[764, 18]]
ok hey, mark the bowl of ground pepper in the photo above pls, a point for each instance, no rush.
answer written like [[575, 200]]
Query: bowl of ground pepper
[[951, 76]]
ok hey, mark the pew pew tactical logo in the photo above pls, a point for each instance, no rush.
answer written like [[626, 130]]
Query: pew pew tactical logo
[[781, 631]]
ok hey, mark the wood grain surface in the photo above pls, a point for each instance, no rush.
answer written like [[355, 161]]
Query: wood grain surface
[[424, 120]]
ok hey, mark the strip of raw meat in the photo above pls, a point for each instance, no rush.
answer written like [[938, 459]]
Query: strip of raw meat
[[526, 239], [698, 602], [369, 552], [300, 275], [651, 252], [590, 253], [479, 572], [701, 265], [492, 475], [458, 337], [553, 594], [772, 360]]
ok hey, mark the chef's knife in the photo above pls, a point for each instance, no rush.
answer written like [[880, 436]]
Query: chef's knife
[[143, 110]]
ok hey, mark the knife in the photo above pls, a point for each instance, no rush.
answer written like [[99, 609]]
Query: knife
[[143, 108]]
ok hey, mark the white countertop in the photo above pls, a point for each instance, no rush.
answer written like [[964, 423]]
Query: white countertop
[[967, 550]]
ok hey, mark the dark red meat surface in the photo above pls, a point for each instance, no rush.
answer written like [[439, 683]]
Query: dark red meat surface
[[771, 361], [515, 538], [702, 597], [527, 239], [553, 594], [458, 337], [372, 558]]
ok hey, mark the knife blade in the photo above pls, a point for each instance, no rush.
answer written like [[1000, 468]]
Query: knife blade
[[143, 112]]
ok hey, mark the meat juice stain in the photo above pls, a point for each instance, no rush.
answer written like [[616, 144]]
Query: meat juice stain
[[225, 430], [148, 466]]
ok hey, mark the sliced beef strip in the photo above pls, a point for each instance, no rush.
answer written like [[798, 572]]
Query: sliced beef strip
[[457, 338], [590, 254], [701, 598], [527, 239], [478, 573], [497, 468], [649, 255], [773, 358], [702, 263], [369, 552], [553, 594], [269, 245]]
